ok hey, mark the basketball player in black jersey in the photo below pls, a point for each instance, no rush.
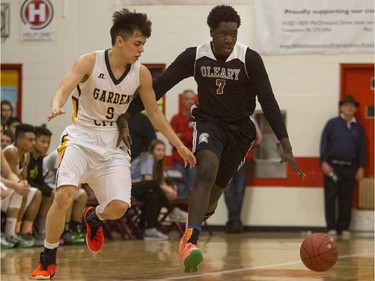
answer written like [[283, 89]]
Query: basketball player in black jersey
[[230, 76]]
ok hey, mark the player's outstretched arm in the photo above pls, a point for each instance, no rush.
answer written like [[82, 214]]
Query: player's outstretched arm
[[288, 156], [80, 71], [158, 119]]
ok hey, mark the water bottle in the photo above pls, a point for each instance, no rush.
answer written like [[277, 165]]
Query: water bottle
[[333, 177]]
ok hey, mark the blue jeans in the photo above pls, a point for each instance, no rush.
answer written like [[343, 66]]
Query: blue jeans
[[234, 194], [189, 177]]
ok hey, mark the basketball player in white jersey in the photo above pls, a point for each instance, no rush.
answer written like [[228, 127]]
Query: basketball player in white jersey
[[102, 85], [18, 157]]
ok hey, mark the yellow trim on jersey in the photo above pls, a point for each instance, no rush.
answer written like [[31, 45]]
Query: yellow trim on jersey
[[75, 108], [62, 147]]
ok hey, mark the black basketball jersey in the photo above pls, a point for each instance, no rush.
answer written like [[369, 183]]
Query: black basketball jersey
[[228, 87], [35, 175]]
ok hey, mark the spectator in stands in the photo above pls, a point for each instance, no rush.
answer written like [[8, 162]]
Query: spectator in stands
[[12, 124], [7, 111], [153, 167], [142, 133], [73, 220], [342, 160], [182, 125], [235, 190], [18, 156], [35, 179], [148, 189], [11, 188], [6, 139]]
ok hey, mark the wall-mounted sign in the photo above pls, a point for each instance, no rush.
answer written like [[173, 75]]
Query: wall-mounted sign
[[37, 16], [5, 18], [305, 26]]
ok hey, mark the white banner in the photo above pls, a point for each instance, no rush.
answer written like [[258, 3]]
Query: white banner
[[319, 26], [37, 20], [178, 2]]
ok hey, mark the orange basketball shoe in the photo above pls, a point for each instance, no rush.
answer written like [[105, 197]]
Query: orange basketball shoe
[[45, 270], [94, 233], [191, 256], [184, 237]]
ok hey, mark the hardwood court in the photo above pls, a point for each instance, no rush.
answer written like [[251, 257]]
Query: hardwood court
[[247, 256]]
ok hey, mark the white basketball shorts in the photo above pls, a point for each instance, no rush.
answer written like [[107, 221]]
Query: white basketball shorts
[[92, 157]]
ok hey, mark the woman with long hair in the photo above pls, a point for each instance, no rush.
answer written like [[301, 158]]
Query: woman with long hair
[[148, 185]]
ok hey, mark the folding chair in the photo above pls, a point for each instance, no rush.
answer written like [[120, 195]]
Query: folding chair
[[174, 176]]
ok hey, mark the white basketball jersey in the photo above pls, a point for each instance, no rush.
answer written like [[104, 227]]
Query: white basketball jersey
[[20, 166], [102, 98]]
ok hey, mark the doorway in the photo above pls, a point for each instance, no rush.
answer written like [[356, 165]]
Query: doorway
[[358, 81]]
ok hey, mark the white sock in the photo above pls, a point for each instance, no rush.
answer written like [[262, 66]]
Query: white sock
[[97, 213], [10, 227], [50, 245]]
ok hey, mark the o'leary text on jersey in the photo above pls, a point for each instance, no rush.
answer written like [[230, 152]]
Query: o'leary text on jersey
[[111, 97], [220, 72]]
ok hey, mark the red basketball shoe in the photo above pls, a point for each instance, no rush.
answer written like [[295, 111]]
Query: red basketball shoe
[[94, 233], [46, 268]]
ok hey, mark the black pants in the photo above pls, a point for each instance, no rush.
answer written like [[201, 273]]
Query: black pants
[[154, 198], [343, 192]]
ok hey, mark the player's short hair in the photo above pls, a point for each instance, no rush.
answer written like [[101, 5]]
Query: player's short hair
[[126, 22], [222, 13], [22, 129], [42, 131]]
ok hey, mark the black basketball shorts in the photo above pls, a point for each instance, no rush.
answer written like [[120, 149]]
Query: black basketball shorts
[[230, 142]]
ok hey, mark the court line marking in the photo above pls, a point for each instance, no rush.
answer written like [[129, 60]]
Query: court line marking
[[190, 276]]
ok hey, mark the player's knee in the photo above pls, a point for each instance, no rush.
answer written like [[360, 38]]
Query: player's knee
[[37, 197], [204, 174], [117, 208], [64, 196]]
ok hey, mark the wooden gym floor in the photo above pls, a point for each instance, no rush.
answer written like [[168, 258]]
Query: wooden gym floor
[[248, 256]]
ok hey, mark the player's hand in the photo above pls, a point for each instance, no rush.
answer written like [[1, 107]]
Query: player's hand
[[55, 112], [288, 156], [187, 155], [4, 193], [22, 188], [124, 133]]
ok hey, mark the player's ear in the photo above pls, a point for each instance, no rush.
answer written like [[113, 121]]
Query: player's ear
[[119, 40]]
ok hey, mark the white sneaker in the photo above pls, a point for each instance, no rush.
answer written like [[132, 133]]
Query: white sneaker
[[177, 215], [153, 234], [4, 243], [332, 233], [345, 235], [20, 241]]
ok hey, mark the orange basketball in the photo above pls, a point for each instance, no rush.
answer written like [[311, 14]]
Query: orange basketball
[[319, 252]]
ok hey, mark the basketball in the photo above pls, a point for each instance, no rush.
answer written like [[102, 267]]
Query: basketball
[[319, 252]]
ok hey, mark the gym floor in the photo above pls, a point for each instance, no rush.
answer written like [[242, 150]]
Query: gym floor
[[254, 256]]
